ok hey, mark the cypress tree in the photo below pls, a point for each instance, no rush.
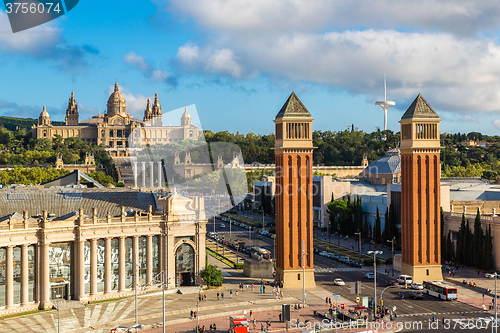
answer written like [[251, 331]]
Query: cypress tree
[[460, 241], [377, 230], [478, 241], [468, 245]]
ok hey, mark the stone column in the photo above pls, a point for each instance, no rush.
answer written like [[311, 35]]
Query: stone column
[[93, 267], [9, 272], [24, 275], [107, 265], [135, 261], [135, 174], [44, 283], [121, 263], [143, 171], [149, 258], [151, 174], [159, 174], [80, 269]]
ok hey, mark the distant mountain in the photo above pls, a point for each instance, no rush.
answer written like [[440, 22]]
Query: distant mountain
[[13, 124]]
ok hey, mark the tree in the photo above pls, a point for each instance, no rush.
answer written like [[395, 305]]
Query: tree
[[461, 241], [488, 250], [337, 210], [212, 275], [478, 241], [377, 231]]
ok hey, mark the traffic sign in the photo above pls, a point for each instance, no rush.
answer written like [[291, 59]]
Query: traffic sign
[[359, 308], [357, 299], [335, 296], [342, 306], [113, 330]]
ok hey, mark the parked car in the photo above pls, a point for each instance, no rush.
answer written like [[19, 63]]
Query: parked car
[[369, 275], [222, 225], [392, 283], [489, 275], [417, 286], [339, 282], [416, 294]]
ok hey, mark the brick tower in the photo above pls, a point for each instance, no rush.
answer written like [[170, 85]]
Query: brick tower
[[294, 210], [420, 195]]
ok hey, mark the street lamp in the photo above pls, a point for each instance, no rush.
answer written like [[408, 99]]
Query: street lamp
[[392, 251], [197, 309], [58, 317], [304, 254], [375, 281], [496, 308]]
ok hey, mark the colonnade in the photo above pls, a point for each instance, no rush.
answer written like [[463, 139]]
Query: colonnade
[[153, 182]]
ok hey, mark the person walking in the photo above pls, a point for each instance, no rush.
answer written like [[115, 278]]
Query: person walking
[[218, 296], [251, 314], [230, 294]]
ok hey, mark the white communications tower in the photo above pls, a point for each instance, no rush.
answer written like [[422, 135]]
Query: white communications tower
[[385, 104]]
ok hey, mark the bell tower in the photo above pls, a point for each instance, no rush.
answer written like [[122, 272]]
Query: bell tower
[[72, 111], [294, 209], [420, 192]]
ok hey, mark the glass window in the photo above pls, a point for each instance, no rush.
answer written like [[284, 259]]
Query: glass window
[[86, 258], [129, 265], [142, 260], [31, 273], [60, 265], [16, 254], [155, 254], [114, 263], [100, 264], [3, 254]]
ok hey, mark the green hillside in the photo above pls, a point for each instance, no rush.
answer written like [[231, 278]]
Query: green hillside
[[13, 124]]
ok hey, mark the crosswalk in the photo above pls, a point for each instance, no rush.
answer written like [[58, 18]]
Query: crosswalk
[[439, 313], [340, 269]]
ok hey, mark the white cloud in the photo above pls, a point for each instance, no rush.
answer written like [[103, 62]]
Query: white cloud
[[148, 70], [222, 61], [434, 47], [136, 60], [33, 41], [286, 16], [470, 119], [496, 123]]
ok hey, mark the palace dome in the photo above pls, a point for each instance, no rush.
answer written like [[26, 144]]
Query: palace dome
[[116, 103]]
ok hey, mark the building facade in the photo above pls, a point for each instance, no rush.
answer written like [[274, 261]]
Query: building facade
[[293, 202], [420, 192], [113, 128], [92, 244]]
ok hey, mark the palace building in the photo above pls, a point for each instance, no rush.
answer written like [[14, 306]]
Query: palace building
[[113, 128], [88, 244]]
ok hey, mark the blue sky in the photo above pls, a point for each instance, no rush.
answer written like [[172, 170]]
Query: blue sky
[[239, 60]]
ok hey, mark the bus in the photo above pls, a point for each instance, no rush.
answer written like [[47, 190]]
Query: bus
[[440, 289], [261, 253]]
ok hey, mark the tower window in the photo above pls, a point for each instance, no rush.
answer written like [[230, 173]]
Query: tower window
[[298, 276]]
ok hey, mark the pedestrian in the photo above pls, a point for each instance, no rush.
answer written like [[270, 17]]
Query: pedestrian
[[236, 294], [230, 294], [252, 286], [261, 327], [330, 300], [264, 289], [433, 318], [191, 315], [261, 289], [218, 296], [195, 314], [254, 322], [203, 329], [215, 327], [211, 327], [222, 295], [251, 313], [280, 317]]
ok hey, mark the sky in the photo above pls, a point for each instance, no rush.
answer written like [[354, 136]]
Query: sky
[[237, 61]]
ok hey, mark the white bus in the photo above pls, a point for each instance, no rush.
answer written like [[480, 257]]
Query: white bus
[[440, 289], [259, 252]]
